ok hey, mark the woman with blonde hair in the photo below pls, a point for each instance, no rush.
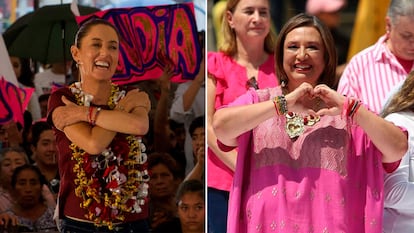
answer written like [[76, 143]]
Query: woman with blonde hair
[[399, 185]]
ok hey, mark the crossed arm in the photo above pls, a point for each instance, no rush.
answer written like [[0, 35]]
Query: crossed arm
[[130, 116]]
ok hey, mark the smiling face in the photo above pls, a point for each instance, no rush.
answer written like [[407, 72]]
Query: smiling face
[[303, 59], [250, 19], [98, 52], [45, 151]]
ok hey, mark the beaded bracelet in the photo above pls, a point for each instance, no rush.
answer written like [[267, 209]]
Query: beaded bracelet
[[280, 105]]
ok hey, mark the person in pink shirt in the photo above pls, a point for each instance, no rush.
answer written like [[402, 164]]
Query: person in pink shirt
[[245, 60], [372, 73], [309, 159]]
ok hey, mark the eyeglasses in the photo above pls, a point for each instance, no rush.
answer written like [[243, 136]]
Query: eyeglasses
[[252, 82]]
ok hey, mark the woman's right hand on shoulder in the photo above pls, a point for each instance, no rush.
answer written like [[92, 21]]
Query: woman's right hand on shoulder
[[68, 114]]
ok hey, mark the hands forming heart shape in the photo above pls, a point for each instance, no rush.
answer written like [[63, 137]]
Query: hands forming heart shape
[[315, 101]]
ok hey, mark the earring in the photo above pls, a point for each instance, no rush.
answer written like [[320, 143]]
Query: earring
[[78, 63], [283, 83]]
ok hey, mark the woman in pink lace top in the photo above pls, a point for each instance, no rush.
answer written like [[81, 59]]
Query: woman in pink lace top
[[309, 159]]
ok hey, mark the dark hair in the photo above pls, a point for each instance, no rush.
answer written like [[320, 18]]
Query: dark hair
[[196, 123], [17, 149], [175, 125], [189, 186], [37, 130], [86, 27], [31, 167], [44, 97], [166, 159], [202, 38], [26, 72], [331, 59]]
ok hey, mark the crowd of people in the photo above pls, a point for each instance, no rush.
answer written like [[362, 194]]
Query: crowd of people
[[299, 138], [102, 157]]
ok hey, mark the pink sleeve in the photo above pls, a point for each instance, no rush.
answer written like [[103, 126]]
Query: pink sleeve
[[364, 146], [215, 68], [249, 97], [391, 167]]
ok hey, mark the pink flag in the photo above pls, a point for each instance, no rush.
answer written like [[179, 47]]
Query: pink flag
[[13, 101]]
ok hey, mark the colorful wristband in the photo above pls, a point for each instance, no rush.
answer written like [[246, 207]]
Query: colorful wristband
[[280, 105]]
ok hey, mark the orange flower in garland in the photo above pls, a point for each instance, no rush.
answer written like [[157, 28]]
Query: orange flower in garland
[[114, 182]]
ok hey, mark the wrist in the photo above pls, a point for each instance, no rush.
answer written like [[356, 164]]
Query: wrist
[[280, 105], [199, 81], [93, 113], [350, 107]]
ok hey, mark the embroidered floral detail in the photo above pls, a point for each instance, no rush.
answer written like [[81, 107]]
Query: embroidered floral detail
[[114, 182], [273, 225], [274, 191]]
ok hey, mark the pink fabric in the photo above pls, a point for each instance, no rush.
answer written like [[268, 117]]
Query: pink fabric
[[325, 181], [371, 75], [231, 82], [321, 6]]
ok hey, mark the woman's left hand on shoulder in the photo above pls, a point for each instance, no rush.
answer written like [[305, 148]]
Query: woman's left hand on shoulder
[[133, 99]]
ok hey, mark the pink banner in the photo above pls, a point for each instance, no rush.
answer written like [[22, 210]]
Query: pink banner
[[148, 35], [13, 101]]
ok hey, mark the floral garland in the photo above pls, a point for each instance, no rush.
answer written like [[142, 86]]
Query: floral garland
[[116, 181]]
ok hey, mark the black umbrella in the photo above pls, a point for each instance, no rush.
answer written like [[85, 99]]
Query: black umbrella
[[46, 34], [16, 28]]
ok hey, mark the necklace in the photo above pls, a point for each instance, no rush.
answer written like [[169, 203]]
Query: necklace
[[295, 124], [114, 182]]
